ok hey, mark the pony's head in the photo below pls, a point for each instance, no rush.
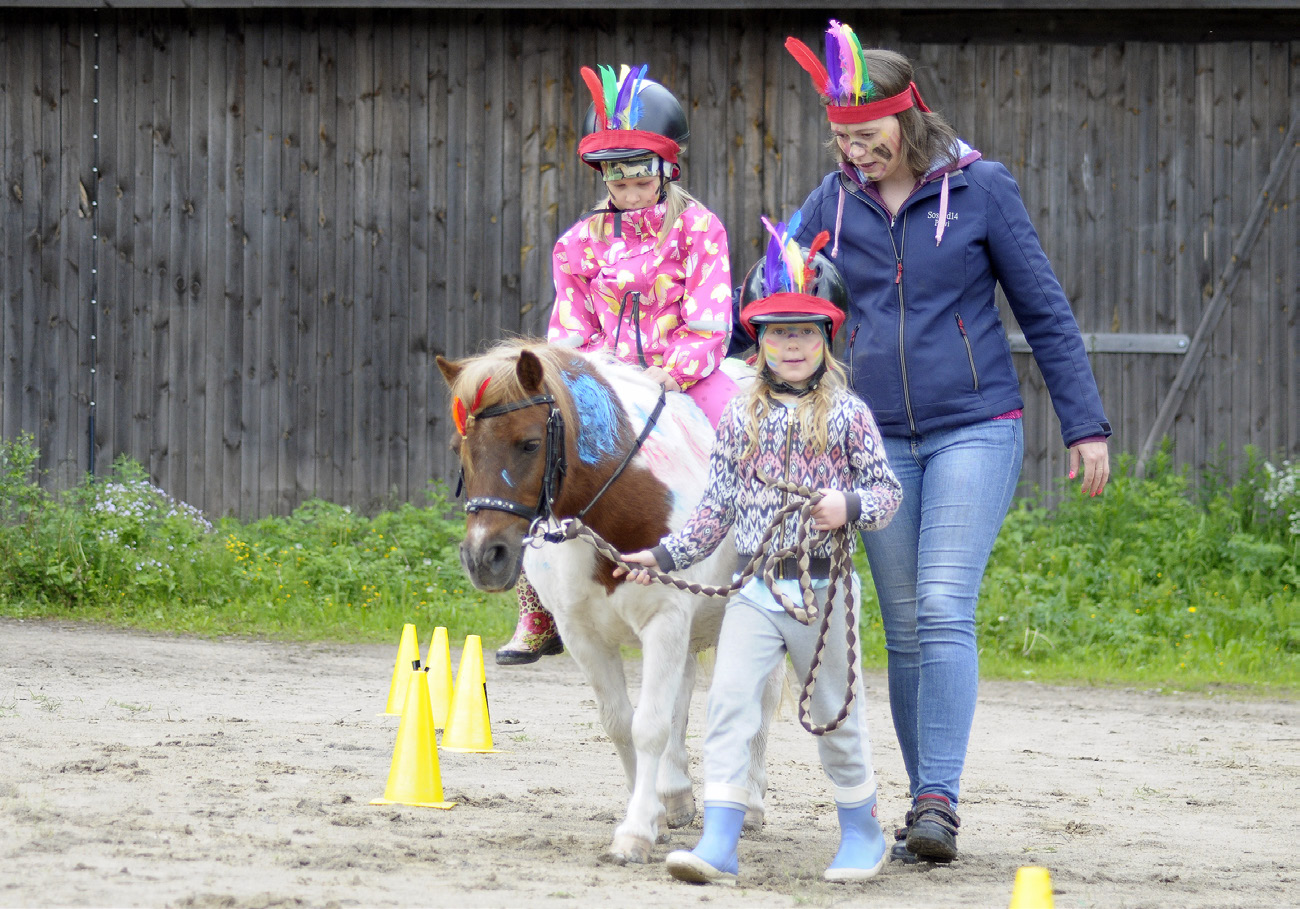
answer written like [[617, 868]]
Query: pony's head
[[512, 453]]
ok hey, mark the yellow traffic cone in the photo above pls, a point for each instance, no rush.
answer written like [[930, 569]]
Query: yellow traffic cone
[[468, 726], [438, 662], [408, 653], [414, 778], [1032, 890]]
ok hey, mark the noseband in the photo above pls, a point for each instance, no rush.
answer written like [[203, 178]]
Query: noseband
[[555, 468]]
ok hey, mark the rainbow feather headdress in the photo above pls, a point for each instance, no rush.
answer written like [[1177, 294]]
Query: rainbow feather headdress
[[789, 289], [785, 267], [844, 81], [616, 100]]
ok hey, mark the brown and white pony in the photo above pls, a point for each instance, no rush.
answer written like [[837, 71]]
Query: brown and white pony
[[545, 433]]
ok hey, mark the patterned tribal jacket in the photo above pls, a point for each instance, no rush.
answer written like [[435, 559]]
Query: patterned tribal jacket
[[854, 463]]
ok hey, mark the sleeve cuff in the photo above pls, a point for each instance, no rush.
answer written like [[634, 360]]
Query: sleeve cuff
[[853, 506], [664, 558]]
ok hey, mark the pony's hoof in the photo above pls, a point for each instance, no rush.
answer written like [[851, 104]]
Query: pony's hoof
[[755, 816], [627, 848], [679, 809]]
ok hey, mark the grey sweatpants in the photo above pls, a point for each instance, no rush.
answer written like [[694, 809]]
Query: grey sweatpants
[[752, 643]]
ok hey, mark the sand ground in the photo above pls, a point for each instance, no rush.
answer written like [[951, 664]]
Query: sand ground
[[143, 770]]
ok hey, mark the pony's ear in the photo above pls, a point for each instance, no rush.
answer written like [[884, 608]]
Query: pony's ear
[[450, 368], [529, 372]]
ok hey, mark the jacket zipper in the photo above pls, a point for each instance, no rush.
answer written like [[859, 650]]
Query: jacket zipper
[[853, 337], [970, 354], [898, 281], [902, 317]]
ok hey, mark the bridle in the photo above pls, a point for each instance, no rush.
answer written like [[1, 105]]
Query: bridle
[[554, 470]]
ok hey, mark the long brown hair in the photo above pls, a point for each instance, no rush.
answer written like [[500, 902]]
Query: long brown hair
[[927, 138]]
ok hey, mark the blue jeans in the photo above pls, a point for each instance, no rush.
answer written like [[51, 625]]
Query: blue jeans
[[927, 566]]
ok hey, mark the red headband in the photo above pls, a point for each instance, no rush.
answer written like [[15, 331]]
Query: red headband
[[606, 139], [874, 110]]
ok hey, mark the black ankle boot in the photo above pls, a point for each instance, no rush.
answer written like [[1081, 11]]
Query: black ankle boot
[[932, 835]]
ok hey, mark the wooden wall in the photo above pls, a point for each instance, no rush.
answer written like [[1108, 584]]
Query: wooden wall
[[292, 213]]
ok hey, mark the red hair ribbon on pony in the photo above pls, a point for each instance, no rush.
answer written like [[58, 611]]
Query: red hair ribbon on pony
[[844, 81], [460, 414]]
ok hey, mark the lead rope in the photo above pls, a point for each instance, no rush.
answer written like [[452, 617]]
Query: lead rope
[[763, 564]]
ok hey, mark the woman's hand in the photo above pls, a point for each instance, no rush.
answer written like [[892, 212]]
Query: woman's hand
[[830, 511], [644, 557], [1096, 465], [663, 377]]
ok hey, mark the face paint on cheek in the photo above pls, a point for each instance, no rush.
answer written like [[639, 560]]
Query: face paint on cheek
[[771, 353], [883, 152], [818, 354]]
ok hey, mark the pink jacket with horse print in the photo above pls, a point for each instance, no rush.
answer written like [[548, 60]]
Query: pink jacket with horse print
[[684, 283], [853, 462]]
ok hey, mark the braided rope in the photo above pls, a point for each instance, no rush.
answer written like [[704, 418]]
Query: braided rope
[[764, 563]]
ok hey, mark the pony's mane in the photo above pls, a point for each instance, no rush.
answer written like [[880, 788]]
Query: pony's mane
[[497, 365]]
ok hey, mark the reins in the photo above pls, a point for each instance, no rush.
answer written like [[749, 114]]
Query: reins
[[764, 564]]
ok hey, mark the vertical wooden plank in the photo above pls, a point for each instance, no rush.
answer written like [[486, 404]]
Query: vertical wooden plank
[[117, 271], [509, 91], [457, 163], [297, 221], [213, 350], [254, 422], [9, 212], [199, 340], [531, 127], [147, 288], [744, 143], [329, 402], [176, 434], [421, 372], [1284, 239], [281, 258], [395, 369], [42, 366], [346, 418], [366, 483], [441, 40]]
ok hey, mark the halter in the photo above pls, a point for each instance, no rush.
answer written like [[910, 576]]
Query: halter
[[555, 468], [552, 478]]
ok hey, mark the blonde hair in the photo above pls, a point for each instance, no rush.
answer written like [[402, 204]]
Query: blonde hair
[[812, 413], [677, 199]]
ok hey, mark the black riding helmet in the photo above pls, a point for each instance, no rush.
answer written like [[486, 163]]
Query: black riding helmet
[[826, 283], [661, 131]]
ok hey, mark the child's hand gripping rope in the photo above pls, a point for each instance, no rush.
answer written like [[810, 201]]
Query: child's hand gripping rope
[[820, 512]]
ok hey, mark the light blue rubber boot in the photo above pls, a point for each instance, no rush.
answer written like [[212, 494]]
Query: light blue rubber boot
[[862, 844], [713, 860]]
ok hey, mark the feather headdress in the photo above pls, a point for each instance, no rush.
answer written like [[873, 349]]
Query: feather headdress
[[617, 98], [786, 269], [844, 81]]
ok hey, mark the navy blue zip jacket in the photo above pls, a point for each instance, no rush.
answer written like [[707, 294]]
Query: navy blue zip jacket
[[927, 349]]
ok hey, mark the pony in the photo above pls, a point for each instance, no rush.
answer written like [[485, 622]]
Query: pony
[[546, 433]]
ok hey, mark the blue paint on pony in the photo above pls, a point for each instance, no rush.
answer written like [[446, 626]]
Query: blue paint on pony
[[505, 477], [597, 417]]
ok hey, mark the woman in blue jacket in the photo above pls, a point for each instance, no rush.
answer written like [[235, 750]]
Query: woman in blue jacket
[[923, 230]]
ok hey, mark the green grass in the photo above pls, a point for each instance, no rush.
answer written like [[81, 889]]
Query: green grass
[[1164, 581]]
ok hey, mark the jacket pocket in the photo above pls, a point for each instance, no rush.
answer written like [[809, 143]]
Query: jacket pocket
[[970, 354]]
